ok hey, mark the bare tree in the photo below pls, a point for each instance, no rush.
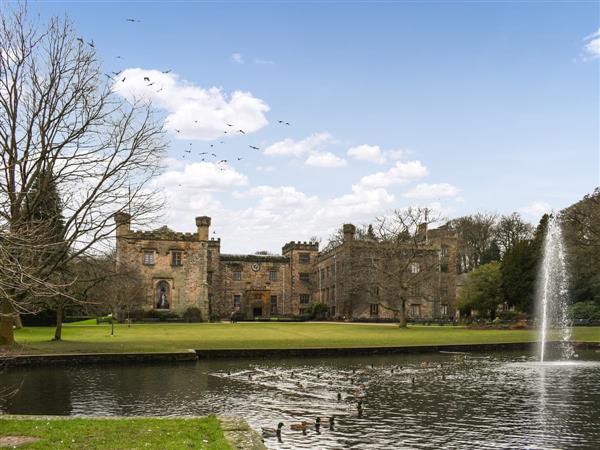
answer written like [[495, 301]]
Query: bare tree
[[476, 238], [60, 117], [511, 230], [121, 291], [392, 262]]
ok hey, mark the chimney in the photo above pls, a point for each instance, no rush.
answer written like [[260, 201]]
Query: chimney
[[123, 221], [349, 231], [422, 231], [203, 224]]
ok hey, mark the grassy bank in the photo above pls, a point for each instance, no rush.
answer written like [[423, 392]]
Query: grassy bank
[[110, 434], [177, 337]]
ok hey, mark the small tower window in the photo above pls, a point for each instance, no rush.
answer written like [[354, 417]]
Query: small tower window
[[148, 257], [176, 258]]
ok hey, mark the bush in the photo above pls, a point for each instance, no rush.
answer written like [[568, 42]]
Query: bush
[[192, 314], [585, 310], [511, 316], [318, 311], [162, 315]]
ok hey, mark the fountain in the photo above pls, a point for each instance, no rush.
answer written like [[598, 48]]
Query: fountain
[[553, 293]]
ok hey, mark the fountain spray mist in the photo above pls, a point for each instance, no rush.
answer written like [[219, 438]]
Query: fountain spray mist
[[552, 297]]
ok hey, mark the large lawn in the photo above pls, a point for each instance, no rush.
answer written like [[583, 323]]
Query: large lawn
[[110, 434], [176, 337]]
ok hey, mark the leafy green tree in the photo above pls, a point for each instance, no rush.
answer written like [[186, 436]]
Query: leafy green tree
[[519, 270], [520, 267], [581, 227], [482, 290]]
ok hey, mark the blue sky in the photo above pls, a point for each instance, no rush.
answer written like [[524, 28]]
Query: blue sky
[[474, 106]]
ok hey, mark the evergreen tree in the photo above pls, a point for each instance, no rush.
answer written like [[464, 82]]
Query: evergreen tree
[[46, 212], [520, 268]]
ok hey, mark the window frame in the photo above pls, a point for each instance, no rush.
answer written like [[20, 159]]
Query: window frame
[[304, 258], [237, 300], [304, 277], [414, 267], [152, 253], [374, 309], [176, 258]]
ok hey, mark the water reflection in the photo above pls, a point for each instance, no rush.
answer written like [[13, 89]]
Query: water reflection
[[422, 401]]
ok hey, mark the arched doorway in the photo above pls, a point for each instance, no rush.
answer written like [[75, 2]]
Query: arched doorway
[[163, 295]]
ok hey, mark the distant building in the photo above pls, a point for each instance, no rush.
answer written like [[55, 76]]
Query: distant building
[[188, 270]]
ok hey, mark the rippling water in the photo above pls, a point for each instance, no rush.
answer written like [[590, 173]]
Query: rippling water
[[442, 400]]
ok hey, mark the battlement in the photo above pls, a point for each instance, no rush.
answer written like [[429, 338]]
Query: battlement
[[162, 234], [305, 246]]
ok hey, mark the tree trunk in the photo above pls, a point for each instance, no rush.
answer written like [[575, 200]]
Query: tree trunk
[[402, 318], [7, 334], [59, 322], [18, 323]]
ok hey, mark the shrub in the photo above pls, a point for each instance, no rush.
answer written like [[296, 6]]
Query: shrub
[[318, 311], [192, 314], [162, 315], [585, 310], [511, 316]]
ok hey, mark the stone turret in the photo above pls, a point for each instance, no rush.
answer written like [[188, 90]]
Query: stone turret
[[349, 231], [203, 225], [123, 221]]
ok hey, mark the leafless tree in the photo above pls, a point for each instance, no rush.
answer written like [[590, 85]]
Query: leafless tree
[[60, 117], [511, 230], [120, 291], [393, 261], [476, 236]]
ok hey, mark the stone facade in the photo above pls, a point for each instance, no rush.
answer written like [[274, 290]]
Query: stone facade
[[185, 270], [173, 265]]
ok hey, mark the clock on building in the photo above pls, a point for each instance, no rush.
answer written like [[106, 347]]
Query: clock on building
[[255, 267]]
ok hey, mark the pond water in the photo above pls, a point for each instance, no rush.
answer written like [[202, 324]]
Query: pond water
[[441, 400]]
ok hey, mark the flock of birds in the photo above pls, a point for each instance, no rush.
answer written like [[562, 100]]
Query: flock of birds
[[205, 155], [291, 383]]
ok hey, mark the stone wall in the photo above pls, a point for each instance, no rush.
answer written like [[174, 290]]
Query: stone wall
[[183, 281], [251, 285], [270, 285], [303, 257]]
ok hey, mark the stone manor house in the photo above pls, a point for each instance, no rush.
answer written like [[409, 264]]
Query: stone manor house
[[188, 270]]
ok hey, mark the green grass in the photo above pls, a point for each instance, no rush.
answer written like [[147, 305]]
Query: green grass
[[130, 433], [178, 337]]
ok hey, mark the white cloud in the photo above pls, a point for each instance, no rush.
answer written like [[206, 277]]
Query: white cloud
[[536, 209], [371, 153], [424, 190], [592, 44], [193, 112], [237, 58], [200, 176], [325, 159], [265, 168], [289, 147], [400, 173], [311, 148], [374, 154]]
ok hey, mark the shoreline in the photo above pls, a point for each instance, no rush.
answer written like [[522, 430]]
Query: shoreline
[[194, 355]]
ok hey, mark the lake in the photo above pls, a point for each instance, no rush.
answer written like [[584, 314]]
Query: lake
[[437, 400]]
